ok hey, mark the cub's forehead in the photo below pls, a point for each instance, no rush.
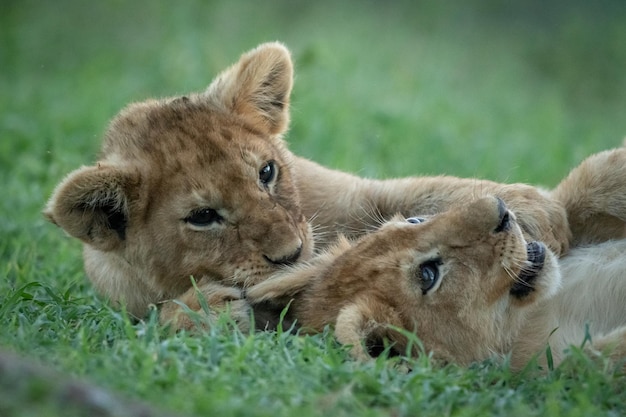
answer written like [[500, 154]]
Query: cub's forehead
[[405, 241], [179, 134], [394, 239]]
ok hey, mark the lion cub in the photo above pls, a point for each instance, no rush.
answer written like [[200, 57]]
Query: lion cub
[[468, 282]]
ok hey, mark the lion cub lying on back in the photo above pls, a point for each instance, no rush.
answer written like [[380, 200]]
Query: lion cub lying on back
[[468, 283]]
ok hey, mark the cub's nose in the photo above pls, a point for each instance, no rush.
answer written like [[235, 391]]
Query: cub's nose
[[285, 260], [504, 217], [487, 214]]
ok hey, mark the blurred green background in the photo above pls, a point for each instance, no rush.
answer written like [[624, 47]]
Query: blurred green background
[[509, 91], [512, 91]]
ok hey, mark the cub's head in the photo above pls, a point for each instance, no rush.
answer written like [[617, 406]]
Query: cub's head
[[460, 280], [198, 186]]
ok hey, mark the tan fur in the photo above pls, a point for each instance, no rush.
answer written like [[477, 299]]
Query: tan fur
[[486, 301], [595, 210], [593, 293], [163, 161]]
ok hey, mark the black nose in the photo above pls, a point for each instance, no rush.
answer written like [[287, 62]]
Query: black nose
[[504, 217], [286, 260]]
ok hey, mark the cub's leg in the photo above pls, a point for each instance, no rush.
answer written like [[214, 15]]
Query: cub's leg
[[594, 197], [612, 345], [341, 203], [218, 298]]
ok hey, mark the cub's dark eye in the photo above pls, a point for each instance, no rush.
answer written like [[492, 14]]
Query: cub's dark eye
[[428, 275], [267, 173], [203, 217], [416, 220]]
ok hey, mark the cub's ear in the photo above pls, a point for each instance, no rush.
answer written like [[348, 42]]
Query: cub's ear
[[258, 87], [368, 328], [91, 204]]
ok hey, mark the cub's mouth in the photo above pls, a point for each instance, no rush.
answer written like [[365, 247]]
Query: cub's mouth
[[535, 259], [536, 256]]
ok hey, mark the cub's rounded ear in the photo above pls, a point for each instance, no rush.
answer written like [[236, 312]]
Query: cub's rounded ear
[[91, 204], [366, 327], [258, 87]]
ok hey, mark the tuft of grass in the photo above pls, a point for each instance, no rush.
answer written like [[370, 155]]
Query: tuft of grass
[[506, 92]]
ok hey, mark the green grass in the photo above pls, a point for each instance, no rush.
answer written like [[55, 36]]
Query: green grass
[[511, 94]]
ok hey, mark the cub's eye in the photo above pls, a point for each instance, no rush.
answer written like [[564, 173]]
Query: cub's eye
[[428, 275], [267, 173], [203, 217], [416, 220]]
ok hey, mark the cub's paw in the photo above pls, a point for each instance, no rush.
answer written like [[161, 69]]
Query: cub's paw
[[611, 346], [201, 306]]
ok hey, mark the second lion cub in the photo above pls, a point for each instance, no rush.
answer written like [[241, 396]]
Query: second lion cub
[[469, 284]]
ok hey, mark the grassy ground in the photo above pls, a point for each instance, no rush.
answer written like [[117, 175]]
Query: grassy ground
[[512, 94]]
